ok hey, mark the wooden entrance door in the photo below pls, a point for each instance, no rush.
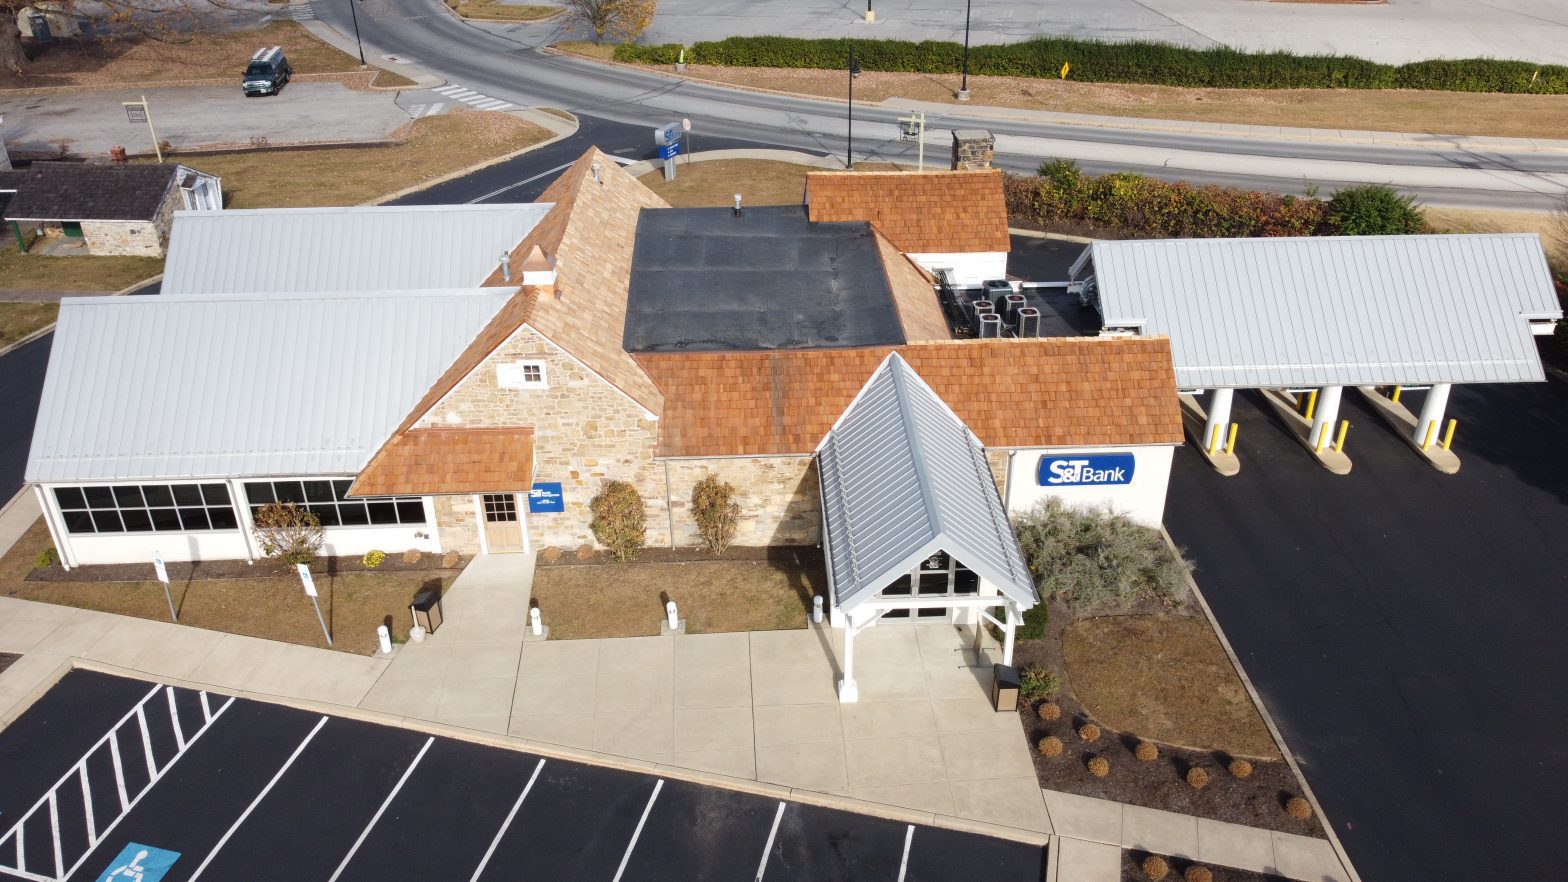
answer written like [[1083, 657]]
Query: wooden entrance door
[[503, 525]]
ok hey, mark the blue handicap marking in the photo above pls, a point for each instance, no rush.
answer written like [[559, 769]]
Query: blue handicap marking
[[139, 863]]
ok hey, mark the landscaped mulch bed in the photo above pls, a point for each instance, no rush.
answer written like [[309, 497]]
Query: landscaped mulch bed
[[1132, 870], [239, 569], [791, 555]]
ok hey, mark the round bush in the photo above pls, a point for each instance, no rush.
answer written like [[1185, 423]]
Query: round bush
[[551, 554], [451, 559], [583, 552], [1050, 745], [1050, 712], [1146, 751], [1155, 867], [1198, 778], [373, 559], [1298, 808], [1196, 873], [412, 556], [1099, 767], [1240, 768], [1089, 732]]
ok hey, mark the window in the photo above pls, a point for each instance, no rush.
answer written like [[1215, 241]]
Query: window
[[329, 500], [521, 375], [939, 575], [146, 508]]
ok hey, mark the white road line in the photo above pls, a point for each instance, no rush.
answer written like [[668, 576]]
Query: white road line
[[174, 719], [462, 94], [506, 823], [364, 834], [87, 805], [435, 108], [141, 719], [903, 865], [119, 771], [636, 834], [490, 104], [762, 865], [257, 801], [449, 90]]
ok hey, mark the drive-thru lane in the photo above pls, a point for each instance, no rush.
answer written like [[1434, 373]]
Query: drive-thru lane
[[246, 790]]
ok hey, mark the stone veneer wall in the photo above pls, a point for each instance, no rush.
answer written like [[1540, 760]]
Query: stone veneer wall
[[778, 498], [133, 238], [457, 524], [585, 432], [997, 460]]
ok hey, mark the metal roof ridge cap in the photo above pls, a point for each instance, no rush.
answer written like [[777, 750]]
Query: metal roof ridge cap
[[917, 449]]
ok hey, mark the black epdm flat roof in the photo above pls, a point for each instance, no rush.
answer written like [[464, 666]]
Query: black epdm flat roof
[[704, 279]]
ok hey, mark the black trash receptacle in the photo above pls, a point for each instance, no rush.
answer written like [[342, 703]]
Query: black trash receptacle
[[426, 609], [1004, 687]]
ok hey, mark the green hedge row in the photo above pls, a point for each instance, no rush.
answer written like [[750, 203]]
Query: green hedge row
[[1099, 62]]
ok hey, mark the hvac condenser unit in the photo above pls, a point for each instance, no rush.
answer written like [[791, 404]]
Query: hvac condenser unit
[[990, 325], [1011, 303], [1028, 321]]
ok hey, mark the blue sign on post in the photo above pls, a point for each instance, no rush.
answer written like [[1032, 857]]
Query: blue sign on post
[[670, 150], [1086, 470], [139, 863], [546, 498]]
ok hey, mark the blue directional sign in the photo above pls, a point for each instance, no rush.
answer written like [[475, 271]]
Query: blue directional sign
[[669, 150], [546, 498], [139, 863], [1085, 470]]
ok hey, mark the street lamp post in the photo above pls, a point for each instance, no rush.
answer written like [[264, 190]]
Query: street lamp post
[[963, 90], [354, 13], [849, 146], [870, 15]]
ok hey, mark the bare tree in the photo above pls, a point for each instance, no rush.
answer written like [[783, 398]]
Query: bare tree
[[287, 533], [621, 19], [164, 20]]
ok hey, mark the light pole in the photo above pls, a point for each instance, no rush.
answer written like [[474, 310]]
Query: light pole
[[963, 90], [354, 13], [870, 15], [849, 146]]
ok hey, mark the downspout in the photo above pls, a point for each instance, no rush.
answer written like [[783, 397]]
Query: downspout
[[669, 503], [242, 512]]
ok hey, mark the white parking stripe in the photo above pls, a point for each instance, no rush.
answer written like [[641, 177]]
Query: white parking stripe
[[903, 865], [506, 823], [638, 832], [762, 865], [257, 801], [380, 811]]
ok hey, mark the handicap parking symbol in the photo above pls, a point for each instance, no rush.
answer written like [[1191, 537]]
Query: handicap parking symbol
[[139, 863]]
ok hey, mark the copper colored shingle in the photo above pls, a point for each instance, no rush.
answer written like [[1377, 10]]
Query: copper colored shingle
[[437, 461], [935, 212], [919, 311], [1045, 392]]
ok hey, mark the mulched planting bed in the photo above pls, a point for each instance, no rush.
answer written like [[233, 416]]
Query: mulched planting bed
[[793, 555], [239, 569], [1132, 870]]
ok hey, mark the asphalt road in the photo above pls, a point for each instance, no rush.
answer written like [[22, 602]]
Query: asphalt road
[[21, 386], [241, 790], [506, 64], [1404, 627]]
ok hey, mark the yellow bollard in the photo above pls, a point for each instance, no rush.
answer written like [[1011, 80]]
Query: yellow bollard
[[1214, 440], [1230, 442], [1312, 403], [1339, 443], [1431, 429], [1395, 396], [1448, 436], [1322, 437]]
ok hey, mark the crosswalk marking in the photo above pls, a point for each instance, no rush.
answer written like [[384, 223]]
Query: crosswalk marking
[[473, 99]]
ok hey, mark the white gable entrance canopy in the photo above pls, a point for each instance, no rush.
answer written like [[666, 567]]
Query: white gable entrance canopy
[[905, 486]]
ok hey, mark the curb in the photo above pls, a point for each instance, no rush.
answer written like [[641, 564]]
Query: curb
[[1059, 237], [798, 157], [425, 185], [1268, 719]]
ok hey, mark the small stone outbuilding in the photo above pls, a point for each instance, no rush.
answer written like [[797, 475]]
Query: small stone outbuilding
[[122, 210]]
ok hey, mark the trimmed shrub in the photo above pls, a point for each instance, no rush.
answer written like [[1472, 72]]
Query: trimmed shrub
[[1089, 732], [1240, 768], [1298, 808], [287, 533], [373, 559], [46, 558], [412, 556], [1196, 873], [583, 551], [1155, 867], [717, 514], [1050, 745], [1197, 778], [619, 519], [1374, 210], [552, 554], [1095, 559], [1146, 751], [1035, 618], [1099, 766], [451, 559], [1050, 711], [1036, 683]]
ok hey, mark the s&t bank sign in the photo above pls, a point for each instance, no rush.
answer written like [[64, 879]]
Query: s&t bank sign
[[1086, 470]]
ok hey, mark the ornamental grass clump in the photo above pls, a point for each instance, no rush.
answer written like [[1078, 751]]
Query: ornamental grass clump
[[1298, 808], [1240, 768], [619, 519], [1146, 751], [1035, 683], [1098, 559], [1099, 767], [1049, 746], [1089, 732], [1197, 778], [1155, 867], [1196, 873], [1050, 711]]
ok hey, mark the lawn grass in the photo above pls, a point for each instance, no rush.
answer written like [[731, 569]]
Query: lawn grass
[[44, 273], [385, 79], [17, 320], [1166, 679], [436, 145], [499, 11], [759, 181], [713, 596], [589, 49], [1552, 227], [353, 603]]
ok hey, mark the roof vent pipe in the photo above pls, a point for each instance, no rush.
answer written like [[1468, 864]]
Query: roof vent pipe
[[506, 266], [737, 205], [597, 179]]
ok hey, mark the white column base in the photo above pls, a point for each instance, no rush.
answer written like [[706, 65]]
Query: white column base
[[848, 691]]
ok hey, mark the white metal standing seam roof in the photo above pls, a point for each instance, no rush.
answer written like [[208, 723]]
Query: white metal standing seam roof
[[903, 478], [1334, 310], [363, 248], [163, 387]]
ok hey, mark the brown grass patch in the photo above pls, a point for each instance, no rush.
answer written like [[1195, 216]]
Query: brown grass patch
[[353, 603], [715, 182], [1552, 227], [1463, 113], [1167, 679], [38, 272], [589, 49], [17, 320], [627, 600], [436, 146], [495, 10], [385, 79]]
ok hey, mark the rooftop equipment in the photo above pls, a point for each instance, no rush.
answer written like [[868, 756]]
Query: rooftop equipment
[[1010, 305], [1028, 322], [990, 325]]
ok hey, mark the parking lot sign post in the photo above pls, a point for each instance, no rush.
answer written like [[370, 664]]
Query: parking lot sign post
[[139, 112], [668, 139], [310, 591], [163, 576]]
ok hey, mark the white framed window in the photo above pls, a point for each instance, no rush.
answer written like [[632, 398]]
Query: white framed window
[[522, 375]]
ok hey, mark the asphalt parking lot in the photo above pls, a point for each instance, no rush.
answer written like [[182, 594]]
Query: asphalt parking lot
[[198, 786], [1405, 627]]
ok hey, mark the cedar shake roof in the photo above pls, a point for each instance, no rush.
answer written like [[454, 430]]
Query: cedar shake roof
[[436, 461], [589, 234], [1038, 392], [935, 212], [74, 191], [919, 311]]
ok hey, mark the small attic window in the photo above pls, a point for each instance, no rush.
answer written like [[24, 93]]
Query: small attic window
[[522, 375]]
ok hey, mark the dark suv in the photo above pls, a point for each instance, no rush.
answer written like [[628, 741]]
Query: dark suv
[[267, 72]]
